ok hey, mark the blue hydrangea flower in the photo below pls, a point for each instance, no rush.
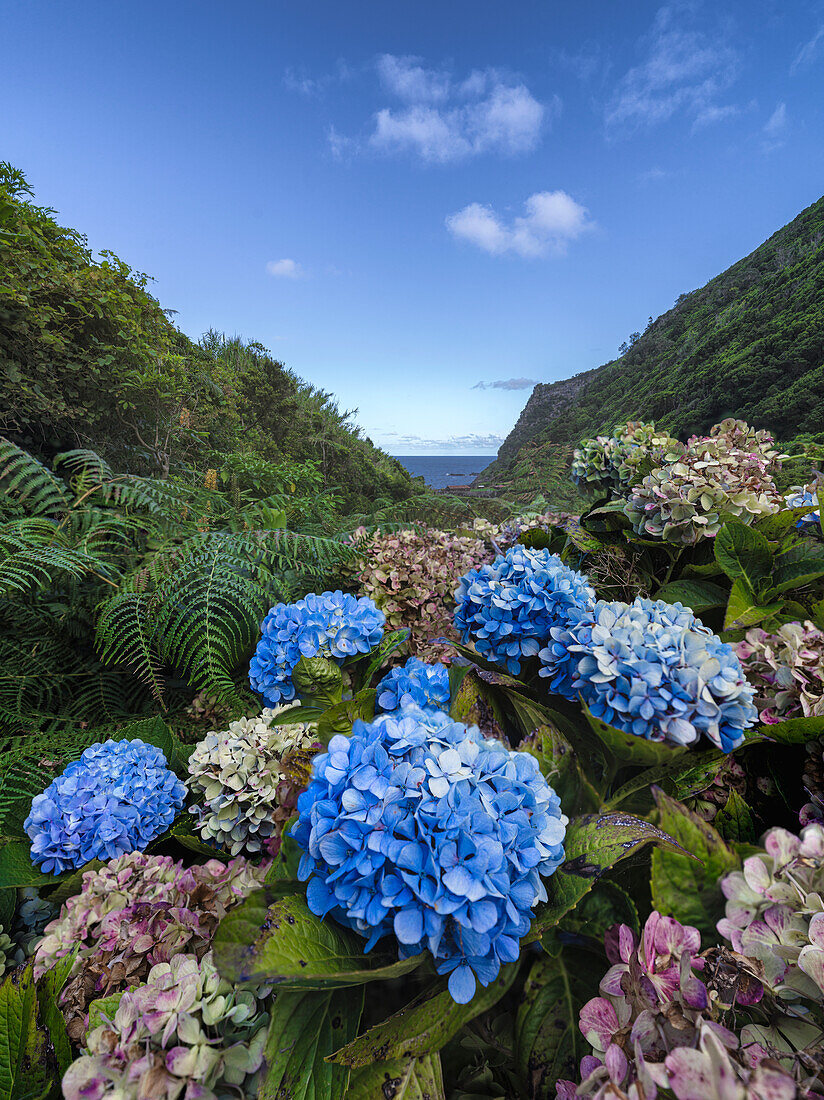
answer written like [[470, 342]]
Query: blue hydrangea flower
[[802, 498], [415, 684], [508, 609], [333, 625], [417, 827], [115, 799], [653, 669]]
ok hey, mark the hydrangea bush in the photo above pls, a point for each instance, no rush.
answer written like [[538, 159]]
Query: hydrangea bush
[[509, 608], [416, 827], [655, 1026], [184, 1033], [116, 798], [332, 625], [411, 576], [774, 911], [134, 912], [653, 669], [787, 669], [415, 684], [609, 463], [246, 780]]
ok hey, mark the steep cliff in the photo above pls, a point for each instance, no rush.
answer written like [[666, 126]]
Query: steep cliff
[[750, 344]]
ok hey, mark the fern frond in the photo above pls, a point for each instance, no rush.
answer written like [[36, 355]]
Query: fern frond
[[86, 468], [29, 482], [126, 635]]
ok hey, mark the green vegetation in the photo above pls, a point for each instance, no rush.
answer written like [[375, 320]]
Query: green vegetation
[[749, 344]]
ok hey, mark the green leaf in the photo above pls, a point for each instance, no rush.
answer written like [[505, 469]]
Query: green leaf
[[562, 769], [48, 991], [341, 717], [791, 574], [306, 1027], [296, 715], [17, 869], [425, 1025], [597, 912], [776, 524], [183, 831], [378, 657], [475, 704], [744, 610], [684, 888], [793, 731], [548, 1042], [743, 554], [592, 845], [413, 1079], [102, 1010], [629, 749], [734, 820], [696, 594], [28, 1069], [670, 774], [283, 942], [318, 680]]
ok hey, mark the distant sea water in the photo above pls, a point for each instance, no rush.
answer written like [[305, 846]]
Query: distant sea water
[[443, 471]]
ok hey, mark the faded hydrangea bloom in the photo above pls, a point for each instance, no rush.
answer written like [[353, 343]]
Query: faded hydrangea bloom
[[653, 669], [132, 913], [509, 609], [418, 828], [185, 1033], [608, 464], [334, 625], [116, 798], [787, 669], [411, 576], [249, 777], [655, 1026], [775, 912]]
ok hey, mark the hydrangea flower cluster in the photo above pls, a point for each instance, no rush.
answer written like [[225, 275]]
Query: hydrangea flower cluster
[[732, 434], [418, 827], [653, 1026], [509, 532], [774, 911], [333, 625], [186, 1032], [116, 798], [787, 668], [411, 576], [806, 496], [690, 499], [132, 913], [509, 609], [653, 669], [609, 463], [415, 684], [249, 777]]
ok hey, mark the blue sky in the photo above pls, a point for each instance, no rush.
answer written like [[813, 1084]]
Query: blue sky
[[404, 200]]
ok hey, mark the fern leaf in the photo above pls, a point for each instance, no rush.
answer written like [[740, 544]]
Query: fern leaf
[[29, 482]]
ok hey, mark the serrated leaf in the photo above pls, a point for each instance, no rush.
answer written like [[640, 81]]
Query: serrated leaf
[[592, 845], [183, 831], [474, 704], [415, 1079], [776, 524], [696, 594], [734, 820], [341, 717], [629, 749], [425, 1025], [102, 1010], [283, 942], [28, 1069], [599, 911], [792, 731], [671, 775], [17, 869], [548, 1042], [743, 554], [795, 574], [305, 1028], [744, 609], [684, 888], [378, 657]]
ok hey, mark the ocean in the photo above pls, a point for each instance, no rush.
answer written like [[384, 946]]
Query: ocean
[[442, 471]]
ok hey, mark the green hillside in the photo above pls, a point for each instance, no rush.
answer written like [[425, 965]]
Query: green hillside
[[748, 344]]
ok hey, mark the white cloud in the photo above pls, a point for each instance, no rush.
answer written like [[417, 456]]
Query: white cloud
[[684, 70], [473, 443], [442, 119], [297, 80], [406, 78], [285, 269], [551, 220], [507, 384], [810, 51], [775, 129]]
